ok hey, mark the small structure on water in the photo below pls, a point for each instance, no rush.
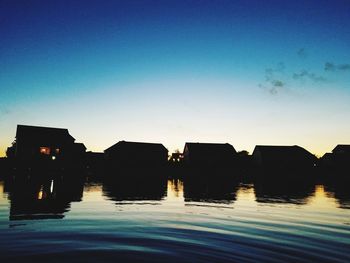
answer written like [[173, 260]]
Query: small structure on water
[[341, 155], [47, 147], [125, 154], [208, 154], [282, 157], [339, 158]]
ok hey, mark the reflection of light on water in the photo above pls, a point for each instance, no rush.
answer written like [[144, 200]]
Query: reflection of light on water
[[321, 200], [3, 196], [51, 186], [93, 193], [175, 191], [245, 197], [94, 203]]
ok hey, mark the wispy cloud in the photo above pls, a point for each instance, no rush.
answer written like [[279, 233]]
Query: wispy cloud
[[277, 83], [277, 80], [273, 89], [302, 53], [4, 111], [329, 66], [274, 83], [305, 74]]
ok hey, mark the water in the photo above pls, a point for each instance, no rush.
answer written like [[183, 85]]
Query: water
[[173, 220]]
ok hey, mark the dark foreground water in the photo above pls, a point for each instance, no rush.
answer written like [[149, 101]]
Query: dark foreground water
[[173, 221]]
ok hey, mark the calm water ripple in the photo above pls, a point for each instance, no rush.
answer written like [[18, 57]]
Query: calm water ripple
[[101, 222]]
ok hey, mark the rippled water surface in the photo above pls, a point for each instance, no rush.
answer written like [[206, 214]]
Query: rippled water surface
[[173, 220]]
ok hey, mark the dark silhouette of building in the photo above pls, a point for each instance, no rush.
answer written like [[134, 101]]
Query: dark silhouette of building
[[208, 154], [326, 160], [338, 160], [341, 156], [45, 147], [129, 154], [282, 157], [342, 149]]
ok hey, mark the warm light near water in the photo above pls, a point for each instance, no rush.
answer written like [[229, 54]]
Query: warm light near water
[[246, 224]]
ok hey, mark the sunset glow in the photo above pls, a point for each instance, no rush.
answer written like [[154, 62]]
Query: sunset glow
[[178, 71]]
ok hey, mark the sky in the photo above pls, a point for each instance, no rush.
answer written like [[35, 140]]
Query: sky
[[240, 72]]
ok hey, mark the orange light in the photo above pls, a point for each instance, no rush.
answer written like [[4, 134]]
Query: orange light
[[45, 150]]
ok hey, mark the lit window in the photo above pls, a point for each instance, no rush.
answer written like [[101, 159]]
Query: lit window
[[57, 150], [40, 194], [45, 150]]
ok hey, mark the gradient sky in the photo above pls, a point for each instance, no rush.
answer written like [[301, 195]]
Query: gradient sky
[[243, 72]]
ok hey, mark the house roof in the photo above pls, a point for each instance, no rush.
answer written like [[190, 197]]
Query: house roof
[[327, 155], [80, 145], [25, 132], [137, 146], [342, 147], [209, 148], [283, 152]]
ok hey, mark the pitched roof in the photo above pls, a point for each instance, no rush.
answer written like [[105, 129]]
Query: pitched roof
[[137, 146], [80, 145], [42, 133], [272, 152], [342, 148], [206, 148]]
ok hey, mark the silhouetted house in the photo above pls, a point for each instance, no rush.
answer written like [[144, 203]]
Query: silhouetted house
[[326, 160], [282, 157], [342, 150], [39, 145], [130, 153], [208, 154], [341, 156]]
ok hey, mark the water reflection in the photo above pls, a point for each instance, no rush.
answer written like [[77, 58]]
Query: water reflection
[[36, 198], [175, 189], [210, 191], [40, 198], [283, 191], [135, 189], [340, 190], [134, 217]]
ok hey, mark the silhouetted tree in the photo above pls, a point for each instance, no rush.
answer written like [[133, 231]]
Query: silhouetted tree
[[243, 153]]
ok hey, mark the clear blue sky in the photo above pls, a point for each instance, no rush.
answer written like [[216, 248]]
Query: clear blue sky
[[244, 72]]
